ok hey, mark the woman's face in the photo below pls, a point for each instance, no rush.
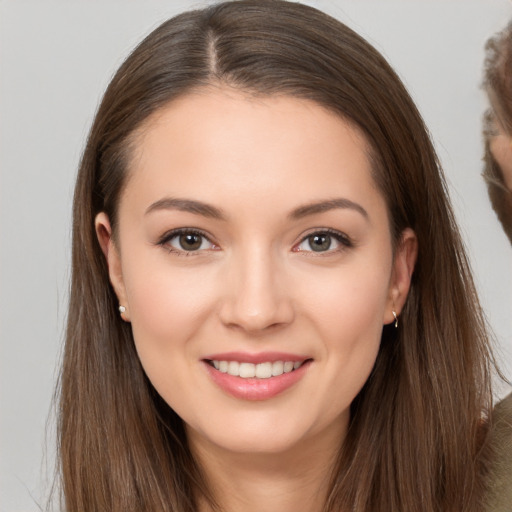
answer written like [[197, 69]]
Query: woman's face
[[253, 241]]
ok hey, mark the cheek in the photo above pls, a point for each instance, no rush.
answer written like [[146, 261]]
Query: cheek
[[351, 303], [354, 341], [167, 310], [348, 313], [167, 305]]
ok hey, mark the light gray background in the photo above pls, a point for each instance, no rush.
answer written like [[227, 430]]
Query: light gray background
[[57, 57]]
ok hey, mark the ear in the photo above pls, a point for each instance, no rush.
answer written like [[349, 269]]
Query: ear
[[111, 252], [403, 267]]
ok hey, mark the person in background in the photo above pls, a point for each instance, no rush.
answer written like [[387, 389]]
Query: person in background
[[498, 125], [497, 173]]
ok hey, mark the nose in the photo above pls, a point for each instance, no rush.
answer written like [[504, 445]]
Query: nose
[[256, 296]]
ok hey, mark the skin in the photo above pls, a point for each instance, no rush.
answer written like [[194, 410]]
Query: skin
[[255, 284], [501, 149]]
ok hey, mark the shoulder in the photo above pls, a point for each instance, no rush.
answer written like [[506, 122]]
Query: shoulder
[[499, 483]]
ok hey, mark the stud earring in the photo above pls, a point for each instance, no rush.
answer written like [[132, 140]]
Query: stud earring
[[396, 319], [122, 309]]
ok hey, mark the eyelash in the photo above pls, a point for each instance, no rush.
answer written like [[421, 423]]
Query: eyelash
[[345, 241], [167, 237]]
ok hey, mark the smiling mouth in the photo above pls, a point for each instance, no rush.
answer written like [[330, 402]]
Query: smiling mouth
[[264, 370]]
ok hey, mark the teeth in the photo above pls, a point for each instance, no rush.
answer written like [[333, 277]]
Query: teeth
[[234, 368], [277, 368], [260, 371], [264, 370], [288, 367], [247, 370]]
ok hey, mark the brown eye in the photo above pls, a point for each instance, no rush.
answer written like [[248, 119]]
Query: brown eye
[[319, 242], [190, 241], [324, 241], [186, 241]]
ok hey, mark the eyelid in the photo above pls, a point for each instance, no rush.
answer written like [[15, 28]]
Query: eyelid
[[173, 233], [342, 238]]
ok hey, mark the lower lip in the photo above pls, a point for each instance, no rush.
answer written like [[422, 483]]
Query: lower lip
[[256, 389]]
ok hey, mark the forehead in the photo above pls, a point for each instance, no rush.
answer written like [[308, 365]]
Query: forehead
[[225, 145]]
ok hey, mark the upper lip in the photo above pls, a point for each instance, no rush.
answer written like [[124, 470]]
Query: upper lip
[[256, 358]]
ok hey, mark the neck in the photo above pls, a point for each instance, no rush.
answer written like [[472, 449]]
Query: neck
[[297, 479]]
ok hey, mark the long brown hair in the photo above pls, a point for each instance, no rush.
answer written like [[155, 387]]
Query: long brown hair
[[414, 434]]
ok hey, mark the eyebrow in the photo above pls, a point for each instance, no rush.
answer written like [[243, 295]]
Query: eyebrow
[[207, 210], [325, 206], [187, 205]]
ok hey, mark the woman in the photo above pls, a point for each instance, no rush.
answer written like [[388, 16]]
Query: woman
[[291, 322]]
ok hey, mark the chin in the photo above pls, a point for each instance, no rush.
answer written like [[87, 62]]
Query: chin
[[267, 434]]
